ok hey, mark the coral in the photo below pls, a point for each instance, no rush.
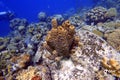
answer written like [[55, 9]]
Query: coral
[[113, 39], [83, 63], [108, 26], [4, 56], [20, 28], [112, 66], [36, 38], [76, 20], [26, 74], [36, 78], [40, 72], [60, 39], [14, 23], [42, 16], [3, 43], [2, 78], [96, 15], [100, 14], [20, 61], [59, 18], [112, 12]]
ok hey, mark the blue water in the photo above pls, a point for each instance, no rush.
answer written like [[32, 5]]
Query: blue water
[[30, 8]]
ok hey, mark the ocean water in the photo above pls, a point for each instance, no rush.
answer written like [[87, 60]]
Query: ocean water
[[29, 9]]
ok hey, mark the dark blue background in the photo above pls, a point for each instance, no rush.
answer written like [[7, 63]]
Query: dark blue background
[[30, 8]]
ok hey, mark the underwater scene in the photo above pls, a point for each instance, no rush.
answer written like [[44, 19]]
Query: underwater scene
[[60, 40]]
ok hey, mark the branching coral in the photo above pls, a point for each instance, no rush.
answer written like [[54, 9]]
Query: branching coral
[[20, 61], [60, 39], [112, 66]]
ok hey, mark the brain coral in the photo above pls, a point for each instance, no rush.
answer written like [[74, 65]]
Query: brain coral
[[60, 39]]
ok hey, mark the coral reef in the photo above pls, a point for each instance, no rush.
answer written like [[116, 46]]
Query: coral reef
[[14, 23], [109, 4], [40, 72], [19, 62], [77, 21], [27, 74], [71, 51], [100, 14], [108, 26], [80, 65], [59, 18], [42, 16], [4, 55], [3, 43], [112, 12], [60, 39], [112, 66], [113, 39]]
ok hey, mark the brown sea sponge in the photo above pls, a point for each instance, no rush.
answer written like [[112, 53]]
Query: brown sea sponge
[[61, 39], [112, 66]]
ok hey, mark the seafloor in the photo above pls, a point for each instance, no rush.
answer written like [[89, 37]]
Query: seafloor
[[84, 46]]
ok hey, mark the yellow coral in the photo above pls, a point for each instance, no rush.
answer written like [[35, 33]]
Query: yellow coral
[[26, 74], [112, 66], [61, 38]]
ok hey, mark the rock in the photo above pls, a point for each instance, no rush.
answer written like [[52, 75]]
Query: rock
[[85, 62]]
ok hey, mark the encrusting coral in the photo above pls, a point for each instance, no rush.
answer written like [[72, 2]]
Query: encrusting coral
[[112, 66], [61, 39], [113, 39]]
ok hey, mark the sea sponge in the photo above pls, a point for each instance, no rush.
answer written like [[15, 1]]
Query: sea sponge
[[60, 39], [112, 66]]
